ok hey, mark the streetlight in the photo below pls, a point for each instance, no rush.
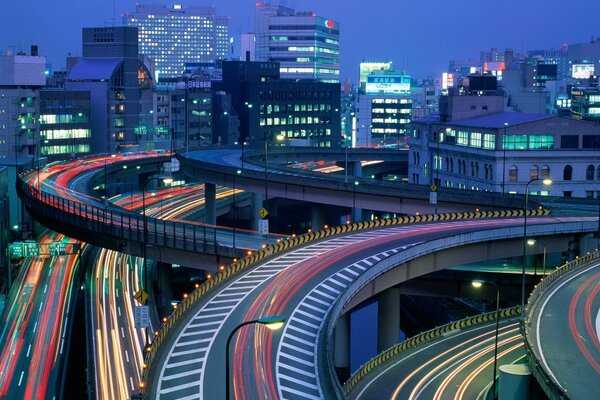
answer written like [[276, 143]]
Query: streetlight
[[545, 182], [39, 156], [354, 201], [503, 144], [273, 322], [477, 284], [533, 242], [239, 171], [167, 180]]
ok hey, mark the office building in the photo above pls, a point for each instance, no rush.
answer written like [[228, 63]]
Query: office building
[[585, 103], [281, 111], [21, 77], [120, 86], [383, 108], [64, 125], [304, 44], [503, 151], [176, 34]]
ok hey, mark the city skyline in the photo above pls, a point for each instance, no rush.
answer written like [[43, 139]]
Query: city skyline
[[427, 39]]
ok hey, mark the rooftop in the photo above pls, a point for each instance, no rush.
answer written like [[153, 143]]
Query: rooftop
[[498, 120], [94, 69]]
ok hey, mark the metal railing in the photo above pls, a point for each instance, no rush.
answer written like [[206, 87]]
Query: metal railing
[[122, 225], [549, 385]]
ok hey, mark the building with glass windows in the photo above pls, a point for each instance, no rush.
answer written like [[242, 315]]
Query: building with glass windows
[[64, 125], [585, 103], [503, 151], [176, 34], [281, 111], [120, 86], [383, 108], [306, 46]]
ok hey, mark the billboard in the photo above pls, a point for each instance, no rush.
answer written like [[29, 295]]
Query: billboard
[[388, 84], [367, 67], [582, 71]]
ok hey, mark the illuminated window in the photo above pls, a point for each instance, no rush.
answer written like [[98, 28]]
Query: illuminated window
[[489, 141], [513, 173], [463, 138], [475, 139]]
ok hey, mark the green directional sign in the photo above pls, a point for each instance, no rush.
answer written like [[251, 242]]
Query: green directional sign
[[57, 249], [31, 249], [16, 249], [24, 249]]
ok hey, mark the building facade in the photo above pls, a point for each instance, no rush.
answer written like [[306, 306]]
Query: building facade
[[281, 111], [120, 86], [176, 34], [64, 125], [304, 44], [503, 151]]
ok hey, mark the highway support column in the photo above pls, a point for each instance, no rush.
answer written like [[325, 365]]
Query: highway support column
[[388, 318], [257, 204], [210, 206], [342, 347]]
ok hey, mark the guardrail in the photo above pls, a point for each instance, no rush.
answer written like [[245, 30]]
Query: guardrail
[[242, 265], [424, 337], [549, 385], [122, 225]]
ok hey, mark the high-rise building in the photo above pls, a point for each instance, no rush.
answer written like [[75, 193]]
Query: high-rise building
[[176, 34], [383, 109], [281, 111], [120, 86], [21, 77], [306, 46]]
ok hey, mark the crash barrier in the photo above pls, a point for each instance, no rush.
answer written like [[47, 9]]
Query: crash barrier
[[546, 380]]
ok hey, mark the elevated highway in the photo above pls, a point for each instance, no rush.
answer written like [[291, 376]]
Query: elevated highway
[[59, 196], [563, 330], [311, 285], [452, 361]]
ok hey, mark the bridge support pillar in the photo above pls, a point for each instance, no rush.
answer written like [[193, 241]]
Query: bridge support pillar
[[388, 319], [317, 217], [356, 168], [164, 292], [210, 206], [342, 347], [256, 205]]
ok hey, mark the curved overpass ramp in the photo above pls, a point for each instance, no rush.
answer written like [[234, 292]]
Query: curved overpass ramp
[[563, 330], [310, 285]]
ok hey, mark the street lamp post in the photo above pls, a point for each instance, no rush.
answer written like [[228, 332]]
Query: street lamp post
[[354, 201], [545, 182], [239, 171], [533, 242], [503, 144], [477, 284], [273, 323], [167, 180]]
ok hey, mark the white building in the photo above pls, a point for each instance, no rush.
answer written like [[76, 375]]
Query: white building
[[306, 45], [504, 151], [174, 35]]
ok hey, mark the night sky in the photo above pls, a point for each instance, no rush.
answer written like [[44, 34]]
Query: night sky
[[417, 35]]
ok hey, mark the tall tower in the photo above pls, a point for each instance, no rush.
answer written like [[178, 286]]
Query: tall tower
[[174, 35], [306, 45]]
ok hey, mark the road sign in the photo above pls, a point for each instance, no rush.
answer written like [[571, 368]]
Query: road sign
[[57, 248], [141, 316], [263, 212], [16, 249], [24, 249], [432, 197], [433, 187], [263, 226], [141, 296]]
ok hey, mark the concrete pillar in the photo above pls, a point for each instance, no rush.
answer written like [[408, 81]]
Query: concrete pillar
[[164, 292], [513, 383], [388, 318], [257, 204], [210, 205], [317, 217], [342, 347], [356, 168]]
